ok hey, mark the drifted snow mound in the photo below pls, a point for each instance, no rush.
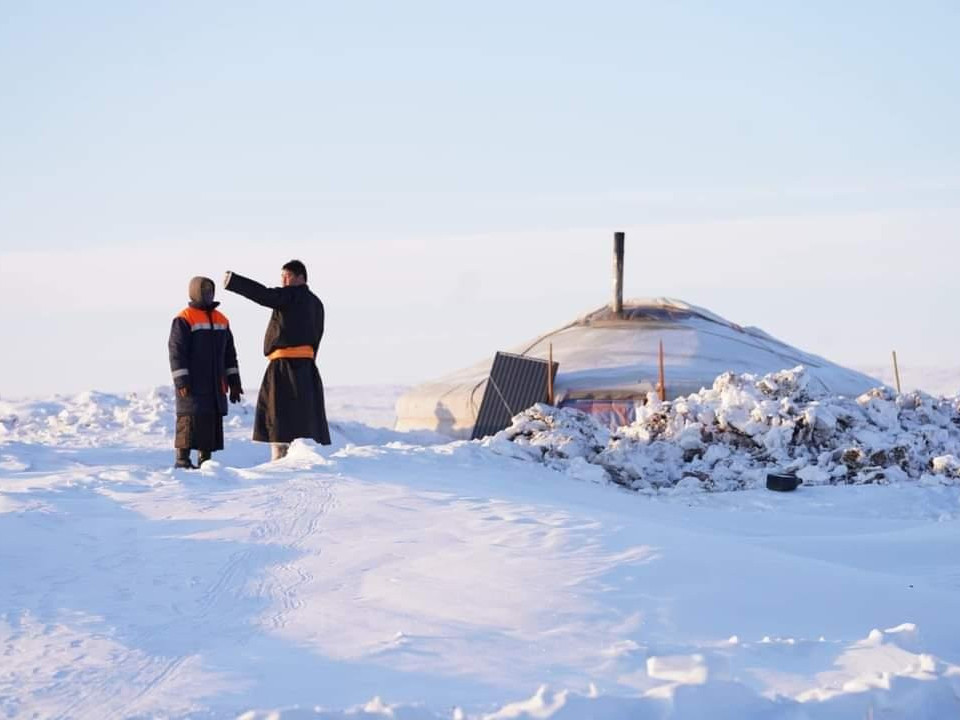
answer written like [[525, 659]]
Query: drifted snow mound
[[88, 419], [730, 436]]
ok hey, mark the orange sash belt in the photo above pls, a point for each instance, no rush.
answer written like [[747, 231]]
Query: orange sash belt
[[299, 351]]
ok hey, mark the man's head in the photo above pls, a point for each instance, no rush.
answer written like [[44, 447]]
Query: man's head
[[201, 291], [293, 273]]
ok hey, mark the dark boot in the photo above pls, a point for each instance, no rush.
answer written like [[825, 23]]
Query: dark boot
[[203, 457], [183, 460]]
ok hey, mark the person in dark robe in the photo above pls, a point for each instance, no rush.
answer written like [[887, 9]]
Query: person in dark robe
[[290, 404], [203, 362]]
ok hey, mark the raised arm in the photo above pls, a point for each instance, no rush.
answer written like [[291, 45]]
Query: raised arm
[[252, 290]]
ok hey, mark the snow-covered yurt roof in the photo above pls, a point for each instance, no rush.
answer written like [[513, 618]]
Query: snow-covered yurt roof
[[603, 356]]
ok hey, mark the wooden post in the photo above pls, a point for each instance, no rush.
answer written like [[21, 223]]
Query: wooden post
[[618, 247], [896, 372], [550, 377], [662, 385]]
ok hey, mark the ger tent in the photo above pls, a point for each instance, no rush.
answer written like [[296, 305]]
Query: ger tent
[[609, 363]]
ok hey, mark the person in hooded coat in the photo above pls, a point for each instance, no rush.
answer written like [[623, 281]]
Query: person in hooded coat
[[203, 362], [290, 404]]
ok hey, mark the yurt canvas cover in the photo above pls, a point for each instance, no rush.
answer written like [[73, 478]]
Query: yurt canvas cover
[[609, 363]]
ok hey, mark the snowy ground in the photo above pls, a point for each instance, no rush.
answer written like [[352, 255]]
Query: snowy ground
[[395, 576]]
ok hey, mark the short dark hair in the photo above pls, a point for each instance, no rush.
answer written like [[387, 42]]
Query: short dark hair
[[297, 268]]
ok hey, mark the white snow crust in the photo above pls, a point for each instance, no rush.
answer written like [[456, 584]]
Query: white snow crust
[[397, 575]]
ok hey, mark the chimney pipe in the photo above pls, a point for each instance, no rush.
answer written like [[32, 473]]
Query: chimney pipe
[[618, 243]]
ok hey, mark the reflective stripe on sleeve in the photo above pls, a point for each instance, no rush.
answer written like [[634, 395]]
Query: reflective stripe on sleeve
[[219, 326], [180, 373], [233, 371]]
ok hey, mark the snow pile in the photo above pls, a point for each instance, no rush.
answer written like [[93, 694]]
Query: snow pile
[[98, 419], [88, 419], [730, 436]]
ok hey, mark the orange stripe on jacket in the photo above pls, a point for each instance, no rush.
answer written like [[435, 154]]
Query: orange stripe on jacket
[[298, 351], [194, 316]]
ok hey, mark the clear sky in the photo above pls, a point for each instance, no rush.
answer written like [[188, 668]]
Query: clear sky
[[452, 174]]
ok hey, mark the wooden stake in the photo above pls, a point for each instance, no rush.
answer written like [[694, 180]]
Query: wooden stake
[[550, 377], [662, 385], [896, 372], [618, 246]]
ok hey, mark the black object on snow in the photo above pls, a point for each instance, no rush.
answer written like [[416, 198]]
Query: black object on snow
[[782, 483], [516, 382]]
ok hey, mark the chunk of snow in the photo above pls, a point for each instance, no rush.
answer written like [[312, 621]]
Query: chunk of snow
[[682, 669]]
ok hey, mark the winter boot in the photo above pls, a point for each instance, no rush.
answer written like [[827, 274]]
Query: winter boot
[[203, 457], [183, 460], [278, 451]]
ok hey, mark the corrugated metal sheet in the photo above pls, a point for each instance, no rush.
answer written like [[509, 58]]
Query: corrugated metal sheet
[[516, 382]]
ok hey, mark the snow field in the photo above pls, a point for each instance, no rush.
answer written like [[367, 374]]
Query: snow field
[[400, 576]]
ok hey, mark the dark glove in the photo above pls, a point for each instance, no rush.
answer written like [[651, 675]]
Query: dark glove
[[235, 392], [183, 392]]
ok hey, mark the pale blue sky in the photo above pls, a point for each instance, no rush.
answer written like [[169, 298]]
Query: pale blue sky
[[169, 139]]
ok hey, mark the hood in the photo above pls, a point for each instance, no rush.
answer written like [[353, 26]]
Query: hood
[[201, 293]]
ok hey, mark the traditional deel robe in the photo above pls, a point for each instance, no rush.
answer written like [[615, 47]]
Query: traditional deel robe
[[203, 359], [290, 404]]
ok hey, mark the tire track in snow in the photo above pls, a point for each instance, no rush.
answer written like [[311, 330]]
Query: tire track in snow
[[229, 584], [294, 518], [100, 699], [145, 676], [152, 682], [293, 515]]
